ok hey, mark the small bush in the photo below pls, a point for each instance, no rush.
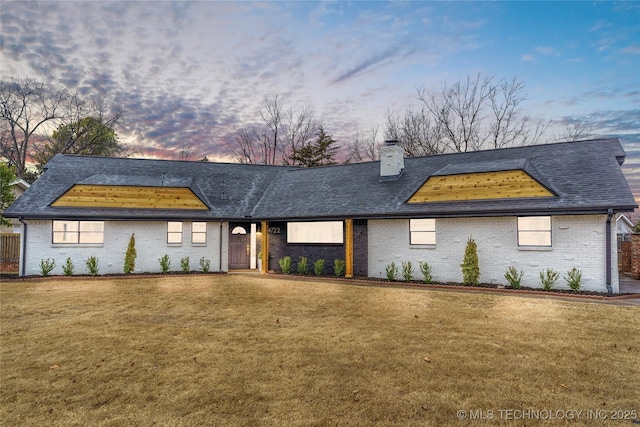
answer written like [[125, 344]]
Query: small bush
[[407, 271], [130, 255], [391, 271], [285, 264], [184, 265], [514, 277], [425, 268], [92, 266], [470, 266], [574, 279], [548, 279], [68, 268], [318, 267], [165, 263], [338, 267], [205, 264], [303, 265], [47, 266]]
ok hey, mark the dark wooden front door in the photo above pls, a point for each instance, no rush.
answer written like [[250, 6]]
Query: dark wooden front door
[[239, 248]]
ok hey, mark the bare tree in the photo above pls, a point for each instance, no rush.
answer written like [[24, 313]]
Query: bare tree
[[476, 113], [576, 130], [280, 132], [364, 148], [26, 106]]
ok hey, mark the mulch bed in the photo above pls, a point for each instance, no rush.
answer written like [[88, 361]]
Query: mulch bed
[[362, 280]]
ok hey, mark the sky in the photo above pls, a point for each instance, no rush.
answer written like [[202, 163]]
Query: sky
[[189, 74]]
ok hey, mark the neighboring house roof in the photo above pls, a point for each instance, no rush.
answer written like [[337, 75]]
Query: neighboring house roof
[[623, 224], [581, 178]]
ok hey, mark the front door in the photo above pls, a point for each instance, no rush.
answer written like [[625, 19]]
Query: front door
[[239, 248]]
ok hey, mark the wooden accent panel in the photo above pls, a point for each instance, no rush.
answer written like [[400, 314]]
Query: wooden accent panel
[[265, 247], [479, 186], [114, 196], [348, 248]]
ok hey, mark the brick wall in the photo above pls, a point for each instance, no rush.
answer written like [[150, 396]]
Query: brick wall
[[635, 256], [151, 244], [578, 241], [279, 248]]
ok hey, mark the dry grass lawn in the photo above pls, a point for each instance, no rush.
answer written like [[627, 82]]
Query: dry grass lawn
[[239, 350]]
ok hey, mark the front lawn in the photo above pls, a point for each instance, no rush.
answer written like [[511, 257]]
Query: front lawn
[[239, 350]]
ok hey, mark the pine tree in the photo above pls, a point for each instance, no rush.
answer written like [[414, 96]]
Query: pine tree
[[130, 256], [470, 265], [320, 153]]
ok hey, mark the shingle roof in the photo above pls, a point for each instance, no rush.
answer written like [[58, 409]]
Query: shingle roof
[[585, 176]]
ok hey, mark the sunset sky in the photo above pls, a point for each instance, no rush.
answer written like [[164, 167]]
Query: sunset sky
[[190, 73]]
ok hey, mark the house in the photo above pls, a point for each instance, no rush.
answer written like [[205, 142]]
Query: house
[[534, 207], [624, 226], [18, 187]]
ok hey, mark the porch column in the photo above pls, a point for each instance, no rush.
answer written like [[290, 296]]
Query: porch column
[[348, 248], [265, 247]]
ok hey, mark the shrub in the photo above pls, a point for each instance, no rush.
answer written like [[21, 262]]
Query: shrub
[[285, 264], [303, 265], [47, 266], [184, 265], [130, 255], [338, 267], [548, 279], [574, 279], [392, 271], [514, 277], [165, 263], [205, 264], [407, 271], [318, 267], [470, 267], [68, 268], [425, 268], [92, 266]]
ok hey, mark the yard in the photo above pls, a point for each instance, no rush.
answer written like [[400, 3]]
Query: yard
[[239, 350]]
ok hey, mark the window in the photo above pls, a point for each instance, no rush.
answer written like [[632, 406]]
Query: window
[[174, 232], [422, 231], [315, 232], [74, 232], [198, 232], [534, 231]]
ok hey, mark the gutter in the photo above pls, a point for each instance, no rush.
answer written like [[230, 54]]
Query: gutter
[[608, 251], [24, 246]]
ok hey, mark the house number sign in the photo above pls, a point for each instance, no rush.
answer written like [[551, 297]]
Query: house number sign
[[274, 230]]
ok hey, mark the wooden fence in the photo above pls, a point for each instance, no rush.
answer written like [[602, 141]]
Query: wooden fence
[[9, 252]]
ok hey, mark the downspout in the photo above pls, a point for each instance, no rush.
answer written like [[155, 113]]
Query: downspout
[[608, 246], [220, 250], [24, 246]]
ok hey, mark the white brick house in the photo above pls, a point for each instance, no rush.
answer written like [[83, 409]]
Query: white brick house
[[537, 207]]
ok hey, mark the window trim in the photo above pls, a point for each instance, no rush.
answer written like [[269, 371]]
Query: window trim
[[548, 231], [412, 232], [174, 233], [77, 232], [203, 233]]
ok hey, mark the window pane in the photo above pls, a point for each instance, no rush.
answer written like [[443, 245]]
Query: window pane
[[315, 232], [423, 237], [422, 224], [542, 223], [65, 226], [199, 227], [174, 227], [534, 238], [91, 232]]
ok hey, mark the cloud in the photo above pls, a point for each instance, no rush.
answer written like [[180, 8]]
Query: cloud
[[527, 57]]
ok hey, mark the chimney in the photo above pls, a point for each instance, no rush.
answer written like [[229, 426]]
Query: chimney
[[391, 161]]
